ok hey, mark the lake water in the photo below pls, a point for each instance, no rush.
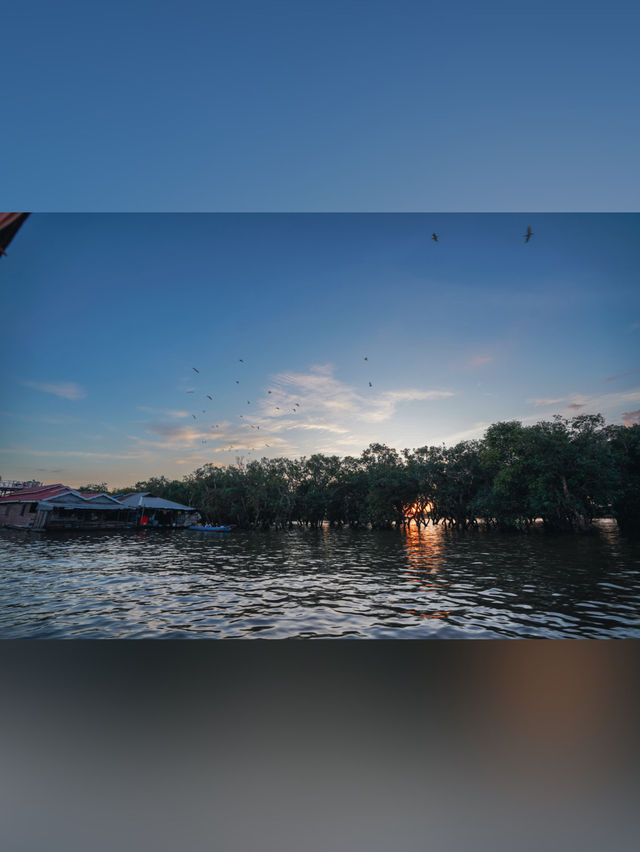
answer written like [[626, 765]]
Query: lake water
[[325, 583]]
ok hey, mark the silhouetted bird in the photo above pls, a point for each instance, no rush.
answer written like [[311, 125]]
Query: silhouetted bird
[[196, 369], [370, 385], [194, 417], [268, 391], [434, 237], [365, 358], [528, 235], [241, 361], [237, 382], [209, 397]]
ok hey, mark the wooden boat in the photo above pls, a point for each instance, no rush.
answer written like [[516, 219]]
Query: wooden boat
[[209, 528]]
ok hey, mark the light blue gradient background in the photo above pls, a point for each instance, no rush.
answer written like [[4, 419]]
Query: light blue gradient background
[[334, 106]]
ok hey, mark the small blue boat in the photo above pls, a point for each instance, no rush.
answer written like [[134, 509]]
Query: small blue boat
[[209, 528]]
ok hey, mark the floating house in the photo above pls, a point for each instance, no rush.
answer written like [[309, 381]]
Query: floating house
[[157, 512], [59, 507]]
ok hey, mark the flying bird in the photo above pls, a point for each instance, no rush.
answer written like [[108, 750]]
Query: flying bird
[[434, 237], [194, 417], [528, 235], [196, 369], [365, 358], [237, 382], [241, 361], [209, 397], [268, 391], [370, 385]]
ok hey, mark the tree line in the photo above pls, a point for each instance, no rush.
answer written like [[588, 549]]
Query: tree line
[[566, 472]]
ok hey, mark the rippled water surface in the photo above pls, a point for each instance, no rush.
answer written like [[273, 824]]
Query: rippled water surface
[[319, 583]]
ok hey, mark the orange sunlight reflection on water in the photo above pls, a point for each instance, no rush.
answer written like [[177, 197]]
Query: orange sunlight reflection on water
[[424, 549]]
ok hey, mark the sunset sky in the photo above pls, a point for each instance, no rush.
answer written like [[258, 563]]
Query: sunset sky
[[106, 315]]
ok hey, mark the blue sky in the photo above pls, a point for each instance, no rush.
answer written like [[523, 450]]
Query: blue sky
[[294, 106], [106, 315]]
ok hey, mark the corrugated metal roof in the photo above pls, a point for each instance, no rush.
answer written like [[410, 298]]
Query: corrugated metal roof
[[147, 502], [88, 495], [50, 492], [33, 494]]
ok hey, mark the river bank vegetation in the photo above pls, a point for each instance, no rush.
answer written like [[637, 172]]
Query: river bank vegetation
[[564, 472]]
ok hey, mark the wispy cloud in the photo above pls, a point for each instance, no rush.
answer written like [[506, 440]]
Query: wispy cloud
[[602, 403], [303, 412], [42, 418], [631, 418], [385, 404], [573, 402], [480, 360], [66, 390], [164, 412], [609, 405], [621, 375], [320, 427], [475, 431], [314, 411], [80, 453], [191, 459], [547, 400], [176, 437], [329, 401]]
